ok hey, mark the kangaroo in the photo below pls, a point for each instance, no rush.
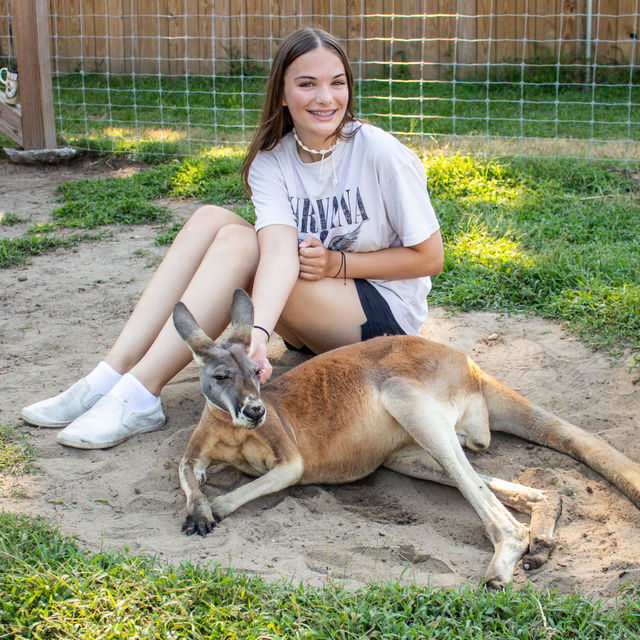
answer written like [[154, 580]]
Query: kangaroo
[[401, 402]]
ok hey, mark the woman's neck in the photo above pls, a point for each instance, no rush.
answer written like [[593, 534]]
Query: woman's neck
[[309, 153]]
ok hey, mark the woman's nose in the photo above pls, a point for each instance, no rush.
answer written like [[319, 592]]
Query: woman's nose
[[323, 95]]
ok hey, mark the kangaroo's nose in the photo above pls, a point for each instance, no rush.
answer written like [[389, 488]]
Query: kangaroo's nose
[[253, 411]]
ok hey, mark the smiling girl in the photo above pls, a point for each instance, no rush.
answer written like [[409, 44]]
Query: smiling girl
[[343, 246]]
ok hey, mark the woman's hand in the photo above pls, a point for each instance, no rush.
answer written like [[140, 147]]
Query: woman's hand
[[258, 353], [316, 261]]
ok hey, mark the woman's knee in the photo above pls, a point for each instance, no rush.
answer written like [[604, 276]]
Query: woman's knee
[[238, 238], [210, 218], [206, 223]]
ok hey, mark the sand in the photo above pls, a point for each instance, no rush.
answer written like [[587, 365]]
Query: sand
[[63, 310]]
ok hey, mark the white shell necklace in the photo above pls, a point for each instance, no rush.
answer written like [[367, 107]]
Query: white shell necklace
[[322, 153]]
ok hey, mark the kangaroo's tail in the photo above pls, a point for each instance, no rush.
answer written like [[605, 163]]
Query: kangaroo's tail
[[511, 413]]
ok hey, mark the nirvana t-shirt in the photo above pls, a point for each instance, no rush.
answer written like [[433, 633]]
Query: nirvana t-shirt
[[379, 200]]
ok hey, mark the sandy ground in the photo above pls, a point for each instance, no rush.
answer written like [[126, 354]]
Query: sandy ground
[[62, 311]]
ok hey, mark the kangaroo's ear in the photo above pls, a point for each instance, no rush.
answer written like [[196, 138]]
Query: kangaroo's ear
[[199, 342], [241, 317]]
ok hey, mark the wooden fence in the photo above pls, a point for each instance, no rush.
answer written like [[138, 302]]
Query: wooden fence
[[429, 37]]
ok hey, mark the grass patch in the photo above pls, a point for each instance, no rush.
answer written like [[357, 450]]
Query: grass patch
[[212, 177], [550, 237], [16, 455], [8, 219], [53, 589], [556, 238], [151, 116], [17, 251]]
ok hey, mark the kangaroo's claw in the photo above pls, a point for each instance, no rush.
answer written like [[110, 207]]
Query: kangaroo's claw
[[196, 523]]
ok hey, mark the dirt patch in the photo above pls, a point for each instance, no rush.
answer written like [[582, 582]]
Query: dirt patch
[[62, 311]]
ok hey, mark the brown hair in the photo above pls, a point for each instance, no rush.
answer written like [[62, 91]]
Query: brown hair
[[276, 120]]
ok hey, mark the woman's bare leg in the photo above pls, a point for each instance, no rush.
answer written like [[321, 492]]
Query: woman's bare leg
[[192, 246], [229, 264], [322, 314]]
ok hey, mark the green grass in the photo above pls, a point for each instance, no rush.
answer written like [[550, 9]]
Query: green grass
[[16, 251], [8, 219], [550, 237], [16, 455], [151, 116], [53, 589], [94, 203], [556, 238]]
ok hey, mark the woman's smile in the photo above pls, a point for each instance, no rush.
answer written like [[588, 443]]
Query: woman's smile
[[316, 94]]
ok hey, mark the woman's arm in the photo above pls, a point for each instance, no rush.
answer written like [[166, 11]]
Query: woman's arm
[[276, 274], [397, 263]]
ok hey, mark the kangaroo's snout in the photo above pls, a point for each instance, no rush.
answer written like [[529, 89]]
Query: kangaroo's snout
[[254, 412]]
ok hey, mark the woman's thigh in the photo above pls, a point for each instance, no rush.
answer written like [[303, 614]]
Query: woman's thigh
[[322, 314]]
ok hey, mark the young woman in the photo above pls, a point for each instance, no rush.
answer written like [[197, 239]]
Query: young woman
[[342, 250]]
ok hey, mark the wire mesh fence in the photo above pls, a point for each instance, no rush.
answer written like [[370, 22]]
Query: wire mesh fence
[[555, 77]]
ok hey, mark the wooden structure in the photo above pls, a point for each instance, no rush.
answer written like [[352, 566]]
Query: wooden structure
[[31, 124], [430, 37]]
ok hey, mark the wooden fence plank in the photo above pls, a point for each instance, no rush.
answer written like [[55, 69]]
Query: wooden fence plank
[[484, 31], [205, 41], [628, 36], [146, 37], [466, 29], [606, 22], [11, 122], [34, 66], [114, 60], [100, 28]]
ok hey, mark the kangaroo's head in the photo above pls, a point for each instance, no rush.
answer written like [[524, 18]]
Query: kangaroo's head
[[229, 378]]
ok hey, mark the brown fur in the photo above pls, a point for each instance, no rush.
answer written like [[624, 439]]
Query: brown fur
[[401, 402]]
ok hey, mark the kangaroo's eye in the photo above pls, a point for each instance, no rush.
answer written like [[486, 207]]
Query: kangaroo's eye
[[220, 376]]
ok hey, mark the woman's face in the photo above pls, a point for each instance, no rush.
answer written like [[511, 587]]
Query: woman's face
[[316, 93]]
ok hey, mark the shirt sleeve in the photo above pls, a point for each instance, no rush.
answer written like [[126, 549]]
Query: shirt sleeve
[[403, 181], [269, 192]]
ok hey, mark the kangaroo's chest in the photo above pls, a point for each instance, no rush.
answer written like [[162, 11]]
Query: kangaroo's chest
[[244, 451]]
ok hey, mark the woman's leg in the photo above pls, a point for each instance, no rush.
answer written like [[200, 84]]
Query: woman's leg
[[201, 245], [322, 314], [193, 245], [229, 264], [132, 406]]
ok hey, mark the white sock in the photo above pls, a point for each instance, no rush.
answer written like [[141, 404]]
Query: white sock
[[134, 393], [103, 378]]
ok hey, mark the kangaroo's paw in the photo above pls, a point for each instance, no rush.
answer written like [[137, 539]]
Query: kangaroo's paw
[[538, 554], [200, 524]]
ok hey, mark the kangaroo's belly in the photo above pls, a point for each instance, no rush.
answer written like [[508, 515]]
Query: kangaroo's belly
[[356, 449]]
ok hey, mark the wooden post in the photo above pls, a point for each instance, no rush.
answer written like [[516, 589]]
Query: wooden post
[[34, 73]]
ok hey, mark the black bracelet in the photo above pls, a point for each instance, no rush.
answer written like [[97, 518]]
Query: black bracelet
[[343, 262], [256, 326]]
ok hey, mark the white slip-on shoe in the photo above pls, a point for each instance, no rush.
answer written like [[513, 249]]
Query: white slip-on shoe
[[109, 423], [62, 409]]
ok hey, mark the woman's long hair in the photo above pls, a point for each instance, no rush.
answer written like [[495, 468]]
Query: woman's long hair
[[276, 120]]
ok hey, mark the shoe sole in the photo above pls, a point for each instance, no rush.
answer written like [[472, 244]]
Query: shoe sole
[[87, 444], [36, 422]]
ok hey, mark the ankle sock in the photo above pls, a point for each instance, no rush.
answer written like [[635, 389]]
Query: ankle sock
[[134, 393], [103, 378]]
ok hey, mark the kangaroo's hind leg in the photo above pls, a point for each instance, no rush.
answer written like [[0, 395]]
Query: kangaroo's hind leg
[[543, 507], [431, 423]]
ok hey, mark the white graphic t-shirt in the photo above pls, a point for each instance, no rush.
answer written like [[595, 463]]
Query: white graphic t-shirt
[[380, 200]]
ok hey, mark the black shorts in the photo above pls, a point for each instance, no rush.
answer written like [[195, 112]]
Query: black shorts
[[380, 320]]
